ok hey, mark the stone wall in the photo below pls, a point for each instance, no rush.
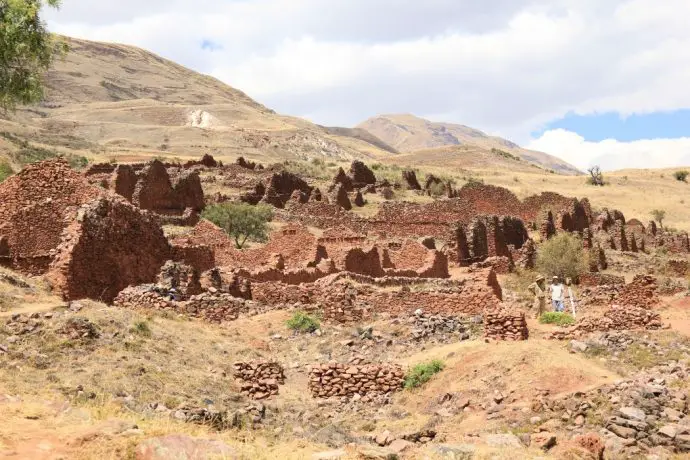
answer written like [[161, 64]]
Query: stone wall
[[469, 296], [215, 308], [616, 318], [600, 279], [505, 324], [336, 379], [108, 245], [259, 379], [34, 205], [641, 292]]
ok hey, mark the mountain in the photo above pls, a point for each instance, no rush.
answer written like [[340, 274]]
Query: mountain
[[107, 100], [408, 133]]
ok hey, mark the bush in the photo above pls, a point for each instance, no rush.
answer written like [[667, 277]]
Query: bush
[[558, 318], [303, 322], [141, 328], [5, 170], [422, 373], [595, 176], [562, 256], [241, 221], [681, 176]]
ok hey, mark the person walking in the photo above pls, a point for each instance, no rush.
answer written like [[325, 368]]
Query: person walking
[[538, 289], [557, 291]]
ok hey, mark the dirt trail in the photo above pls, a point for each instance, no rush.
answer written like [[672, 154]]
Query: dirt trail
[[29, 308]]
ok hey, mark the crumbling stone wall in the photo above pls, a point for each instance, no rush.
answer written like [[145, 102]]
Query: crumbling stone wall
[[108, 246], [361, 174], [505, 324], [641, 292], [215, 308], [34, 205], [156, 191], [259, 379], [366, 262], [336, 379], [600, 279], [410, 179], [617, 318]]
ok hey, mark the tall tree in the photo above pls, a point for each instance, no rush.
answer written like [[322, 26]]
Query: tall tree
[[27, 50]]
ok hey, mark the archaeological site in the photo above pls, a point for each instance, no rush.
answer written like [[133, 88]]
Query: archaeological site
[[186, 274]]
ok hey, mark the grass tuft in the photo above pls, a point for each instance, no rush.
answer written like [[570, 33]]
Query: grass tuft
[[422, 373]]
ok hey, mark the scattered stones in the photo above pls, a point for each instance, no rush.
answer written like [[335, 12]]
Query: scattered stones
[[180, 447]]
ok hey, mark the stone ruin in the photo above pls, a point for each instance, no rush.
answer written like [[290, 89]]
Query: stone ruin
[[166, 189], [616, 318], [259, 379], [108, 245], [337, 379], [410, 179], [641, 292], [505, 324], [278, 189], [34, 206]]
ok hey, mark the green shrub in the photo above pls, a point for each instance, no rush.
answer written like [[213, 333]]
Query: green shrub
[[558, 318], [141, 328], [303, 322], [422, 373], [5, 170], [562, 256], [681, 175], [241, 221]]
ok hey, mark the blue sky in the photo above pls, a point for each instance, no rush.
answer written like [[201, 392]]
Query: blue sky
[[611, 125]]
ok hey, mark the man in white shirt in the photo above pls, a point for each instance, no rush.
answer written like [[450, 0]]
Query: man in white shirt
[[557, 294]]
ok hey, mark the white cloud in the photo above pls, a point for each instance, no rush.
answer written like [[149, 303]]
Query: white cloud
[[505, 66], [611, 154]]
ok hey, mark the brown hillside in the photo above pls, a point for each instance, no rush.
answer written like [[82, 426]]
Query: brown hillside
[[409, 133]]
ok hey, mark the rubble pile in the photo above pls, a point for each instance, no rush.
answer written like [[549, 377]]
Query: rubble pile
[[616, 318]]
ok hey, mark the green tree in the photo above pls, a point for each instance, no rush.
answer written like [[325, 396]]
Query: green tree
[[563, 256], [659, 215], [27, 50], [241, 221]]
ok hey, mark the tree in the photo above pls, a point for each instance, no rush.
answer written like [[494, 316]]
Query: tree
[[241, 221], [27, 50], [595, 176], [659, 215], [562, 255]]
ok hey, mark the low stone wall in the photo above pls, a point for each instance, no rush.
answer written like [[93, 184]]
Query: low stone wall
[[336, 379], [501, 265], [678, 267], [615, 319], [505, 324], [215, 308], [259, 379]]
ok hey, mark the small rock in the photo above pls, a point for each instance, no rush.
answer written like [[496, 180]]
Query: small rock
[[384, 438], [544, 440], [400, 445], [503, 440], [668, 431], [632, 413]]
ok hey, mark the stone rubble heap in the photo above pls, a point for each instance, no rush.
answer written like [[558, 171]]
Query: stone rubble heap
[[425, 327], [259, 379], [337, 379], [505, 324]]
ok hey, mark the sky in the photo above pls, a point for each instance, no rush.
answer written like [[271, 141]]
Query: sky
[[592, 81]]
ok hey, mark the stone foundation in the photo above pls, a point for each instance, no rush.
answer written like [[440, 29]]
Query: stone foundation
[[504, 324]]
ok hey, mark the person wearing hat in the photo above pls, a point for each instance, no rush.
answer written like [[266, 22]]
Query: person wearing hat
[[557, 291], [538, 289]]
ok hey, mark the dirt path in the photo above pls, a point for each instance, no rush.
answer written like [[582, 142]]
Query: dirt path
[[677, 315], [29, 308]]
